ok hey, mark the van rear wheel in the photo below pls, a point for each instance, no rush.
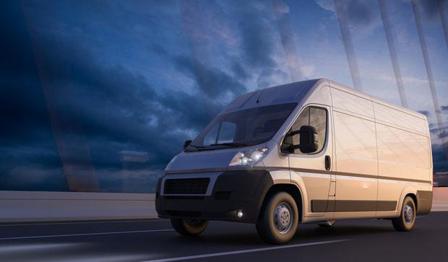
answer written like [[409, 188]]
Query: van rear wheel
[[406, 221], [279, 220], [189, 227]]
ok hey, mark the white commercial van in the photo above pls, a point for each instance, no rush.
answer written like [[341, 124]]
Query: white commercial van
[[311, 151]]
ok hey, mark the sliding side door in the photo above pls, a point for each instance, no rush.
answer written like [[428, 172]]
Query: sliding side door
[[356, 155]]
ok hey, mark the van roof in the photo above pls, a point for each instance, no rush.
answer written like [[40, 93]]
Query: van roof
[[369, 97], [295, 92], [288, 93]]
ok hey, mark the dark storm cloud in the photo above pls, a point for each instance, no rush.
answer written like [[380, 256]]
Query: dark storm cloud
[[19, 82], [79, 91], [343, 15], [358, 12], [205, 30], [239, 71], [26, 143], [186, 111], [255, 26], [257, 45], [61, 104], [431, 8], [287, 38], [103, 107], [110, 103], [210, 80], [391, 44], [251, 23], [37, 154]]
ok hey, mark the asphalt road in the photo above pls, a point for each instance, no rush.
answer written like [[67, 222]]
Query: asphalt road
[[154, 240]]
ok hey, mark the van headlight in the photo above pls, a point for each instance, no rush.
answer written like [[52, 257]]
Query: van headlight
[[248, 157]]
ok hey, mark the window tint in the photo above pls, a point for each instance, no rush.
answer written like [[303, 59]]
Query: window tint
[[210, 138], [318, 119], [246, 127], [315, 117], [227, 132]]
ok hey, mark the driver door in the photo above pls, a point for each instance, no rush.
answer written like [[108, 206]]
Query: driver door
[[313, 169]]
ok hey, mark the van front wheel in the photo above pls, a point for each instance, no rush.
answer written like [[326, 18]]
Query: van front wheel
[[189, 227], [406, 221], [279, 219]]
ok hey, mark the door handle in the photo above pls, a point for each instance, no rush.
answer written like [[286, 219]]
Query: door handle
[[327, 163]]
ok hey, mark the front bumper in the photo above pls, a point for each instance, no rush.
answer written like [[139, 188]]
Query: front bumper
[[230, 192]]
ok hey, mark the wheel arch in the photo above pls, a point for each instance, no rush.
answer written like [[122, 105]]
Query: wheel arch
[[414, 197], [289, 188], [408, 191]]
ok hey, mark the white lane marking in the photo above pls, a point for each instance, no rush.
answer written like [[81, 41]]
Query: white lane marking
[[22, 251], [88, 234], [149, 220], [245, 251], [33, 247], [101, 257]]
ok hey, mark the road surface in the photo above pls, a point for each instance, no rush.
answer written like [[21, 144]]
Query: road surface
[[154, 240]]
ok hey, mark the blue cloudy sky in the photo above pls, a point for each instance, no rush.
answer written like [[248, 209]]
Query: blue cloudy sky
[[99, 95]]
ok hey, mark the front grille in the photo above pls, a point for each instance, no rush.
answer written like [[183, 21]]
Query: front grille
[[186, 186]]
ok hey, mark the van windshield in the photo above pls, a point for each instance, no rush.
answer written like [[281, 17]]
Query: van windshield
[[242, 128]]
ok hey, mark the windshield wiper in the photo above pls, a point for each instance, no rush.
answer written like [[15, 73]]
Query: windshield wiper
[[214, 146], [191, 147]]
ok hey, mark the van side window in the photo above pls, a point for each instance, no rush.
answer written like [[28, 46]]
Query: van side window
[[210, 138], [223, 133], [226, 133], [315, 117]]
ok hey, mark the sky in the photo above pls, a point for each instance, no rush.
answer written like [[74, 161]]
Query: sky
[[100, 95]]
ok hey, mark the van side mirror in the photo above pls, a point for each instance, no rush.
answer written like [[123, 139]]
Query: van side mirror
[[187, 143], [308, 139]]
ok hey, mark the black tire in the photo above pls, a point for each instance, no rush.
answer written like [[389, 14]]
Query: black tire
[[279, 212], [189, 227], [406, 221]]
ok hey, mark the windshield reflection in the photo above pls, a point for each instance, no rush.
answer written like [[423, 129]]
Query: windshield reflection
[[242, 128]]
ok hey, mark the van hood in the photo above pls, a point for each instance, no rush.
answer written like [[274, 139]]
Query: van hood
[[209, 159]]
